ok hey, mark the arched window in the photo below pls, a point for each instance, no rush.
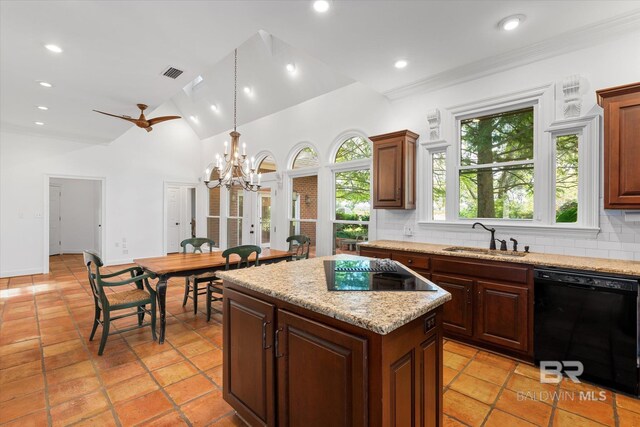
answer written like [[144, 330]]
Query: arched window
[[267, 164], [354, 148], [306, 158]]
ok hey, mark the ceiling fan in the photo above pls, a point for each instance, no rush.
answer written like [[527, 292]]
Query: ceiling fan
[[142, 121]]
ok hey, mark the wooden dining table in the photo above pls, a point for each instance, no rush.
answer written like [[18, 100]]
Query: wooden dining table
[[183, 265]]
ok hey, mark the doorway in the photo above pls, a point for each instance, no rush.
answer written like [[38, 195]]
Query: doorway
[[264, 218], [180, 215]]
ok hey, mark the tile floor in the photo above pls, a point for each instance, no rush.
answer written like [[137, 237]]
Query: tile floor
[[50, 373]]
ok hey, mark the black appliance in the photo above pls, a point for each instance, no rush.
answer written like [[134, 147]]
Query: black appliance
[[372, 275], [591, 318]]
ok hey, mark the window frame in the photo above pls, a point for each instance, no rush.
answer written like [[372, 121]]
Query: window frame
[[545, 129]]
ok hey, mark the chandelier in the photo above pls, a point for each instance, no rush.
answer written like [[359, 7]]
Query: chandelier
[[233, 169]]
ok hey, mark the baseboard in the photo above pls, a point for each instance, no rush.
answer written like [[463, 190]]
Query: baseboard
[[112, 262], [14, 273]]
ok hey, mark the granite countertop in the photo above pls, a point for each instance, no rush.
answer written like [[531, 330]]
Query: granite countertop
[[302, 283], [602, 265]]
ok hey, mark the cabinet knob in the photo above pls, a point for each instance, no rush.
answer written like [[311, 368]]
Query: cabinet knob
[[410, 261]]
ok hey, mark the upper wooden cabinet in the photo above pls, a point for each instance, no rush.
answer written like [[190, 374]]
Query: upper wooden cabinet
[[394, 170], [621, 146]]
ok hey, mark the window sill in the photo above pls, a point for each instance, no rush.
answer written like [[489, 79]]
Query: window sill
[[530, 229]]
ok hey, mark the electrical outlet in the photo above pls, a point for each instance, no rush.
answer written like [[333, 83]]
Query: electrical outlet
[[408, 230], [38, 215]]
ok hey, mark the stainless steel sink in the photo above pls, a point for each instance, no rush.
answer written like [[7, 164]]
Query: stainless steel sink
[[461, 249]]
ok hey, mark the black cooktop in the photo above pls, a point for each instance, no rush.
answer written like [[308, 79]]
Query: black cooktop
[[372, 275]]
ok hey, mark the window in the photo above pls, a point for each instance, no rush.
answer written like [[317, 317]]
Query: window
[[234, 219], [496, 166], [566, 178], [304, 207], [306, 158], [213, 217], [267, 164], [438, 182], [352, 195]]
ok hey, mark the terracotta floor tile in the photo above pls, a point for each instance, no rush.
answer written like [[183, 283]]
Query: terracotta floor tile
[[497, 418], [628, 403], [19, 358], [533, 411], [461, 349], [530, 371], [235, 421], [487, 372], [464, 408], [481, 390], [62, 392], [208, 360], [206, 409], [120, 373], [77, 370], [567, 419], [103, 419], [216, 375], [21, 387], [587, 389], [21, 406], [143, 408], [59, 337], [448, 375], [174, 373], [594, 410], [160, 360], [20, 371], [111, 360], [183, 338], [167, 420], [34, 419], [628, 418], [133, 388], [19, 347], [519, 383], [79, 408], [455, 361], [63, 347], [195, 348], [149, 349], [65, 359], [186, 390], [495, 360]]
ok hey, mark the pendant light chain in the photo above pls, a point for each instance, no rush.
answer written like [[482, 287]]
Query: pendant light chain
[[235, 91]]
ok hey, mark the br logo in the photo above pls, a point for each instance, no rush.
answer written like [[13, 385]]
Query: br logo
[[551, 370]]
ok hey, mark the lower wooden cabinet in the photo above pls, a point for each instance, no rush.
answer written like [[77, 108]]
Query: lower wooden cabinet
[[457, 315], [321, 374], [503, 314]]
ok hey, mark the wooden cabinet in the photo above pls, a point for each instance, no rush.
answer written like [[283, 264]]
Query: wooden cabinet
[[394, 170], [321, 374], [457, 315], [621, 146], [502, 313], [248, 357]]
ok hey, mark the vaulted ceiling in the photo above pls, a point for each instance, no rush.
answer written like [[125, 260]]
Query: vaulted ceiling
[[115, 51]]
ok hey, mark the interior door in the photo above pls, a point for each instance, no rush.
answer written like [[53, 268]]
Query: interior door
[[54, 220], [173, 219], [264, 217]]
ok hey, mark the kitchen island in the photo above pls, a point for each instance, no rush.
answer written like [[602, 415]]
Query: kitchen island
[[297, 354]]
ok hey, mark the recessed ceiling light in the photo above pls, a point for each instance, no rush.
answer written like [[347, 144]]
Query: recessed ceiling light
[[45, 84], [291, 67], [401, 63], [39, 123], [512, 22], [248, 90], [214, 108], [194, 119], [321, 6], [53, 48], [42, 107]]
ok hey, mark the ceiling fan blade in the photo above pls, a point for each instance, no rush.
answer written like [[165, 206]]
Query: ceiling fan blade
[[127, 118], [161, 119]]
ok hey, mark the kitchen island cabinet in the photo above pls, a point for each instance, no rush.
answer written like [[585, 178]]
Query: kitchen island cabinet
[[296, 354]]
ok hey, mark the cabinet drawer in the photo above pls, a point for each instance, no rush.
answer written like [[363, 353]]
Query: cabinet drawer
[[375, 253], [411, 260], [506, 272]]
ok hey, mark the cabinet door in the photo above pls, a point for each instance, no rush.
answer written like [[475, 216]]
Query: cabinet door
[[387, 174], [502, 315], [322, 374], [457, 316], [249, 384], [622, 153]]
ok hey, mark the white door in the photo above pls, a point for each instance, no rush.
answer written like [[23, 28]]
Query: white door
[[54, 220], [173, 220], [98, 217], [264, 218]]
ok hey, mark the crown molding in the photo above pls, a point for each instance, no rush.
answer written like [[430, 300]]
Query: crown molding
[[60, 135], [589, 35]]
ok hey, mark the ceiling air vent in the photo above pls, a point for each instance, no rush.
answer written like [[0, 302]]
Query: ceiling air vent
[[172, 73]]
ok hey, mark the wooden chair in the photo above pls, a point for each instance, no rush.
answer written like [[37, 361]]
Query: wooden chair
[[106, 302], [244, 252], [300, 244], [191, 289]]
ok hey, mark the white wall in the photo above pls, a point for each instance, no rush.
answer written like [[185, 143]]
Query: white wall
[[79, 210], [135, 167], [606, 65]]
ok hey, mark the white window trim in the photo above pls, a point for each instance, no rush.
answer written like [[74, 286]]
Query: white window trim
[[543, 101]]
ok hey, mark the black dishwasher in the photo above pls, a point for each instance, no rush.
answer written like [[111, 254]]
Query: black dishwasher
[[591, 318]]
